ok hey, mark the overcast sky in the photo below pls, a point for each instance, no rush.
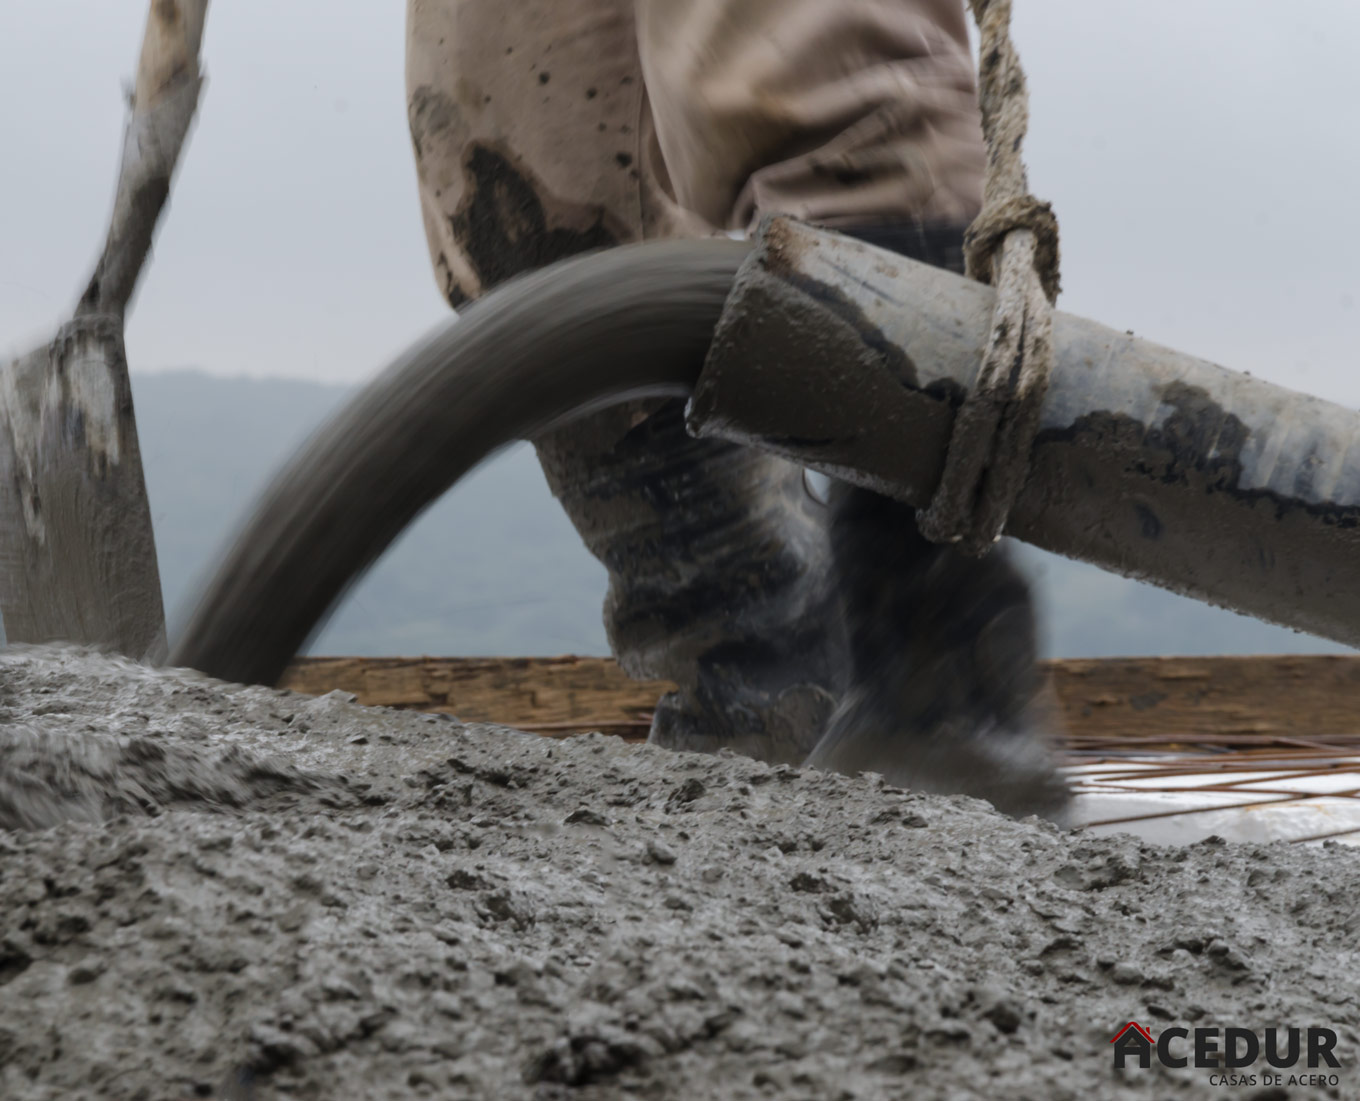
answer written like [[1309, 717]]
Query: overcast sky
[[1202, 156]]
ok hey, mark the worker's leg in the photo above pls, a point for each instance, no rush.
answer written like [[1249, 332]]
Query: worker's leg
[[840, 113], [532, 136], [862, 115], [533, 141], [945, 692]]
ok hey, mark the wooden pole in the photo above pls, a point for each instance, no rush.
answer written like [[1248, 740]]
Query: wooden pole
[[164, 101], [77, 554]]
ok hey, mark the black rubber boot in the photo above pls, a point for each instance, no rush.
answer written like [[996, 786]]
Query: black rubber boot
[[719, 578], [944, 692]]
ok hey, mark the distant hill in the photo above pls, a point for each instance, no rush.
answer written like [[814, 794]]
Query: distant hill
[[495, 568]]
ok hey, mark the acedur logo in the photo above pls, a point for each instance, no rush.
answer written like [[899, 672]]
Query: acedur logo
[[1229, 1050]]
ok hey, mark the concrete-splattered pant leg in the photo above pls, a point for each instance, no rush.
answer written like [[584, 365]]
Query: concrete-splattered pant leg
[[548, 127], [534, 140], [843, 113], [653, 118]]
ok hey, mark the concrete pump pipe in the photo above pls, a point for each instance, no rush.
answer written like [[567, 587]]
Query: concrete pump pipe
[[845, 358], [1148, 462], [584, 333]]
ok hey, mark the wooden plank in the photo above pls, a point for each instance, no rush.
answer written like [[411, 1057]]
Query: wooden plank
[[1309, 695], [1122, 699], [563, 694]]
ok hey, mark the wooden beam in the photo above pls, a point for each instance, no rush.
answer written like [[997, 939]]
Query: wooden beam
[[554, 695], [1309, 695], [1227, 699]]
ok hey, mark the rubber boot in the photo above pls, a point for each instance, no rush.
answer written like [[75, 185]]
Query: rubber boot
[[719, 578], [944, 692]]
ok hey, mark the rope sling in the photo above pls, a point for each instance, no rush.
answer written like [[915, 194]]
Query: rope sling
[[1013, 245]]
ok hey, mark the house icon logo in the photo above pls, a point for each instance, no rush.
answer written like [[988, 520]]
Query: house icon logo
[[1133, 1039]]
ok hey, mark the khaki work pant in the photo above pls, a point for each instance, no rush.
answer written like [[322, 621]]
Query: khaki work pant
[[545, 128]]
